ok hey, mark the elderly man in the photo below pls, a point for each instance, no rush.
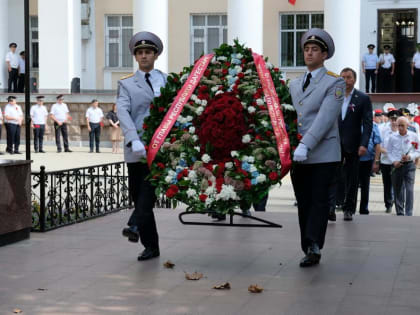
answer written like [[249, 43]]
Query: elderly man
[[317, 97], [135, 93], [402, 151]]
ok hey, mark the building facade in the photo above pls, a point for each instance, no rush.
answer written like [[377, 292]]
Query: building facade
[[88, 39]]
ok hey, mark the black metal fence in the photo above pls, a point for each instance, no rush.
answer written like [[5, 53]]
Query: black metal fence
[[69, 196]]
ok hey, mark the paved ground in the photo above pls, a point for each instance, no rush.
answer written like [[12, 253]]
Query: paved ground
[[369, 266]]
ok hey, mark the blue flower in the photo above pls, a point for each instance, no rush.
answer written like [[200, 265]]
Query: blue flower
[[245, 166], [255, 174], [183, 163], [236, 61], [193, 159], [233, 72], [254, 181]]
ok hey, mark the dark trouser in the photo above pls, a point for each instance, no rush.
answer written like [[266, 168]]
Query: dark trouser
[[311, 183], [384, 80], [403, 184], [38, 137], [416, 80], [351, 181], [260, 206], [94, 135], [144, 197], [63, 130], [13, 79], [21, 83], [365, 169], [13, 137], [387, 182], [370, 75]]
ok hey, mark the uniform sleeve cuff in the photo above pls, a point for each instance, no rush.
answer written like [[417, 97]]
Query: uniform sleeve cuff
[[310, 141]]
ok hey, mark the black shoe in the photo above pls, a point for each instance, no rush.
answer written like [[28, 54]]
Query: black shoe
[[10, 152], [364, 212], [59, 151], [132, 233], [331, 216], [1, 153], [91, 151], [42, 151], [68, 150], [149, 253], [36, 151], [388, 209], [18, 152], [97, 151], [218, 216], [312, 258], [348, 216]]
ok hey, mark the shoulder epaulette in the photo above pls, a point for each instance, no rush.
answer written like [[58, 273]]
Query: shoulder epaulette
[[127, 76], [335, 75]]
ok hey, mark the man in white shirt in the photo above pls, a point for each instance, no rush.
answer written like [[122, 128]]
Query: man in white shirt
[[402, 151], [386, 164], [13, 117], [94, 117], [386, 70], [415, 69], [39, 115], [12, 62], [370, 63], [21, 78], [60, 115]]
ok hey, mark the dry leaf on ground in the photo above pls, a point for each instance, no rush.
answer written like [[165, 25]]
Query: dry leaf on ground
[[194, 276], [224, 286], [255, 288], [169, 264], [17, 311], [41, 289]]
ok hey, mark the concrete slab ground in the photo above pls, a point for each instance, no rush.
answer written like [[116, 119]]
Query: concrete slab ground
[[369, 266]]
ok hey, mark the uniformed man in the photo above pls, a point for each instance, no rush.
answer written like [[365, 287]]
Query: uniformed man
[[370, 63], [60, 115], [317, 97], [13, 118], [386, 70], [415, 69], [135, 93], [12, 62], [94, 117], [21, 77], [39, 115]]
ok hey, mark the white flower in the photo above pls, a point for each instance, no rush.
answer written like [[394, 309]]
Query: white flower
[[168, 179], [219, 92], [195, 137], [222, 58], [260, 102], [239, 56], [184, 77], [228, 165], [234, 153], [191, 193], [194, 97], [206, 158], [269, 65], [204, 102], [192, 175], [248, 71], [183, 155], [199, 110], [251, 109], [227, 193], [261, 178], [213, 60], [209, 201], [181, 119], [246, 138], [238, 69], [171, 173], [210, 190], [197, 149], [189, 118], [288, 107], [253, 169], [249, 159], [215, 88], [191, 130], [264, 123]]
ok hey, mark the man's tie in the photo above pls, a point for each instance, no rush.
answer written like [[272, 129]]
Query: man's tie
[[147, 75], [307, 81]]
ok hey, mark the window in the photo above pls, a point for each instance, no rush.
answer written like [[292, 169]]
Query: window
[[118, 32], [292, 27], [207, 33], [34, 53]]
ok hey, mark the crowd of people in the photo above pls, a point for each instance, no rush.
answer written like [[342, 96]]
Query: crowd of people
[[13, 118]]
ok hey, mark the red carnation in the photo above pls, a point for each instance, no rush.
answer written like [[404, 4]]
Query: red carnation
[[273, 176], [227, 64], [241, 75], [179, 176], [161, 109], [276, 69], [258, 137], [173, 139], [203, 197], [207, 73], [172, 191], [160, 165], [145, 126], [219, 183], [224, 71], [247, 184]]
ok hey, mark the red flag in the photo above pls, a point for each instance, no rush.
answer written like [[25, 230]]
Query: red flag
[[292, 2]]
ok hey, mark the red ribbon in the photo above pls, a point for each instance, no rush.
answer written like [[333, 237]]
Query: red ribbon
[[181, 99], [276, 115]]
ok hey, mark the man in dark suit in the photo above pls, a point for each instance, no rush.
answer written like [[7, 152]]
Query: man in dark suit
[[355, 126]]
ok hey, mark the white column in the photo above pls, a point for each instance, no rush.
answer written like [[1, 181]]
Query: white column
[[245, 22], [59, 44], [152, 16], [342, 21], [4, 43]]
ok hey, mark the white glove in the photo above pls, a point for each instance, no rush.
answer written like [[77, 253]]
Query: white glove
[[138, 148], [301, 153]]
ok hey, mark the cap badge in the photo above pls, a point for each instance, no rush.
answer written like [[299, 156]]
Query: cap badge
[[143, 42]]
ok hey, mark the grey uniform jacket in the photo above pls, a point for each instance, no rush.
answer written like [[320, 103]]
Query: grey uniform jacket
[[133, 105], [317, 111]]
